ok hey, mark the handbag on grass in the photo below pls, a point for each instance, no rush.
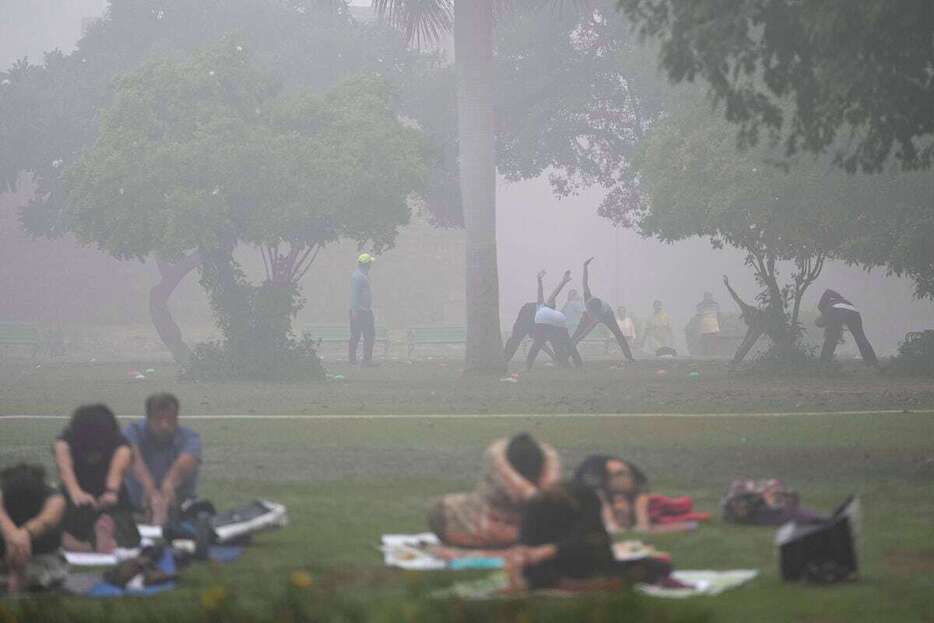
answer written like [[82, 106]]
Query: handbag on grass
[[821, 551]]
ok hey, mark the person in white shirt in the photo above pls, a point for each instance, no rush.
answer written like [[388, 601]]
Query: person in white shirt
[[626, 324], [552, 326]]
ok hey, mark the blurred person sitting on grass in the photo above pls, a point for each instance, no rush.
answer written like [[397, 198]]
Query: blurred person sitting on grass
[[93, 459], [31, 514], [627, 503], [564, 545], [516, 470], [166, 458]]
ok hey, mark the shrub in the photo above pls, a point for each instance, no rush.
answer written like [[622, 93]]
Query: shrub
[[915, 354]]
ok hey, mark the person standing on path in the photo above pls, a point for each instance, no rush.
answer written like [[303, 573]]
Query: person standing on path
[[362, 322]]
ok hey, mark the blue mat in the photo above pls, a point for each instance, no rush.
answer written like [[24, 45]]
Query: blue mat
[[225, 553], [92, 586]]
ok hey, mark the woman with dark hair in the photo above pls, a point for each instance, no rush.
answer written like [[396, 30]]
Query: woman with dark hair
[[563, 544], [488, 517], [623, 491], [93, 457]]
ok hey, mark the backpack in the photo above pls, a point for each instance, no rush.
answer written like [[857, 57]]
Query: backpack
[[759, 502]]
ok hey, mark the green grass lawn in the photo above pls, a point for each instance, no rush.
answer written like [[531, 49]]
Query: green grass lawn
[[347, 481]]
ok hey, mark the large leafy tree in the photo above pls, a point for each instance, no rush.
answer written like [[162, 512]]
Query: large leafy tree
[[853, 82], [791, 218], [809, 72], [50, 113], [201, 155]]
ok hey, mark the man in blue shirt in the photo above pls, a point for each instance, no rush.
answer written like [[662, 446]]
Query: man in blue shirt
[[362, 321], [166, 458]]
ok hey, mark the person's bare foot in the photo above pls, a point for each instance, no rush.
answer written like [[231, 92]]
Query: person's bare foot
[[105, 534]]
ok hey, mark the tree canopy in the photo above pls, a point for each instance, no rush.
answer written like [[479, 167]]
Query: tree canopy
[[697, 183], [207, 152], [198, 155], [852, 79], [50, 112]]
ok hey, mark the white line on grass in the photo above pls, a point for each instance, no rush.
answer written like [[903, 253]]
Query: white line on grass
[[484, 416]]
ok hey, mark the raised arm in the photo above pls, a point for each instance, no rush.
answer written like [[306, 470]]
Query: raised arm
[[552, 300], [541, 288], [585, 280], [742, 304]]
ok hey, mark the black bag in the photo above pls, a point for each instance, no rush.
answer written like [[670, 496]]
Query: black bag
[[192, 521], [821, 551]]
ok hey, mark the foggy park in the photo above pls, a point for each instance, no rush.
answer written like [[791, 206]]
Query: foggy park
[[455, 310]]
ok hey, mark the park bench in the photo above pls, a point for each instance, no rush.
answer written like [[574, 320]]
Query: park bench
[[435, 335], [340, 334], [19, 334]]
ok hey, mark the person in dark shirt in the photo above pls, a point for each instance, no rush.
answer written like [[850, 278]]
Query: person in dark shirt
[[31, 514], [756, 323], [563, 544], [599, 311], [93, 459], [835, 313]]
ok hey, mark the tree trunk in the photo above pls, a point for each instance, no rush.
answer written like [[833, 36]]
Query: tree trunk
[[473, 52], [169, 332]]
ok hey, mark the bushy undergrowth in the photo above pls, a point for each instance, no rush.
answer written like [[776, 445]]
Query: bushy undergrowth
[[788, 358], [915, 355], [296, 360]]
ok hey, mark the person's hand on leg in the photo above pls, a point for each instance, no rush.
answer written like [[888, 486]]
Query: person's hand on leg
[[18, 548]]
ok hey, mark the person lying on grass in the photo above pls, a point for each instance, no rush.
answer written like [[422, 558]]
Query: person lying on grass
[[488, 517], [93, 459], [626, 503], [166, 457], [31, 514], [564, 545]]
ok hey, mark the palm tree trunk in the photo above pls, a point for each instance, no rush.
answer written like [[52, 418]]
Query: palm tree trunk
[[473, 52]]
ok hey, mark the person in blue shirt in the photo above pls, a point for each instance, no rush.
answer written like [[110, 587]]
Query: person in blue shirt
[[166, 458]]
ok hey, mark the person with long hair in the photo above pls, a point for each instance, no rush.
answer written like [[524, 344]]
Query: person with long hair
[[93, 458]]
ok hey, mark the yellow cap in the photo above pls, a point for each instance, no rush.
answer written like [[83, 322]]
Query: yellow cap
[[365, 258]]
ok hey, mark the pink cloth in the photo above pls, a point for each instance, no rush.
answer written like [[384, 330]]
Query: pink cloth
[[666, 510]]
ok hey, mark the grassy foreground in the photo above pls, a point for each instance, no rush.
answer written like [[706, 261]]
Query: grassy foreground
[[346, 481]]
